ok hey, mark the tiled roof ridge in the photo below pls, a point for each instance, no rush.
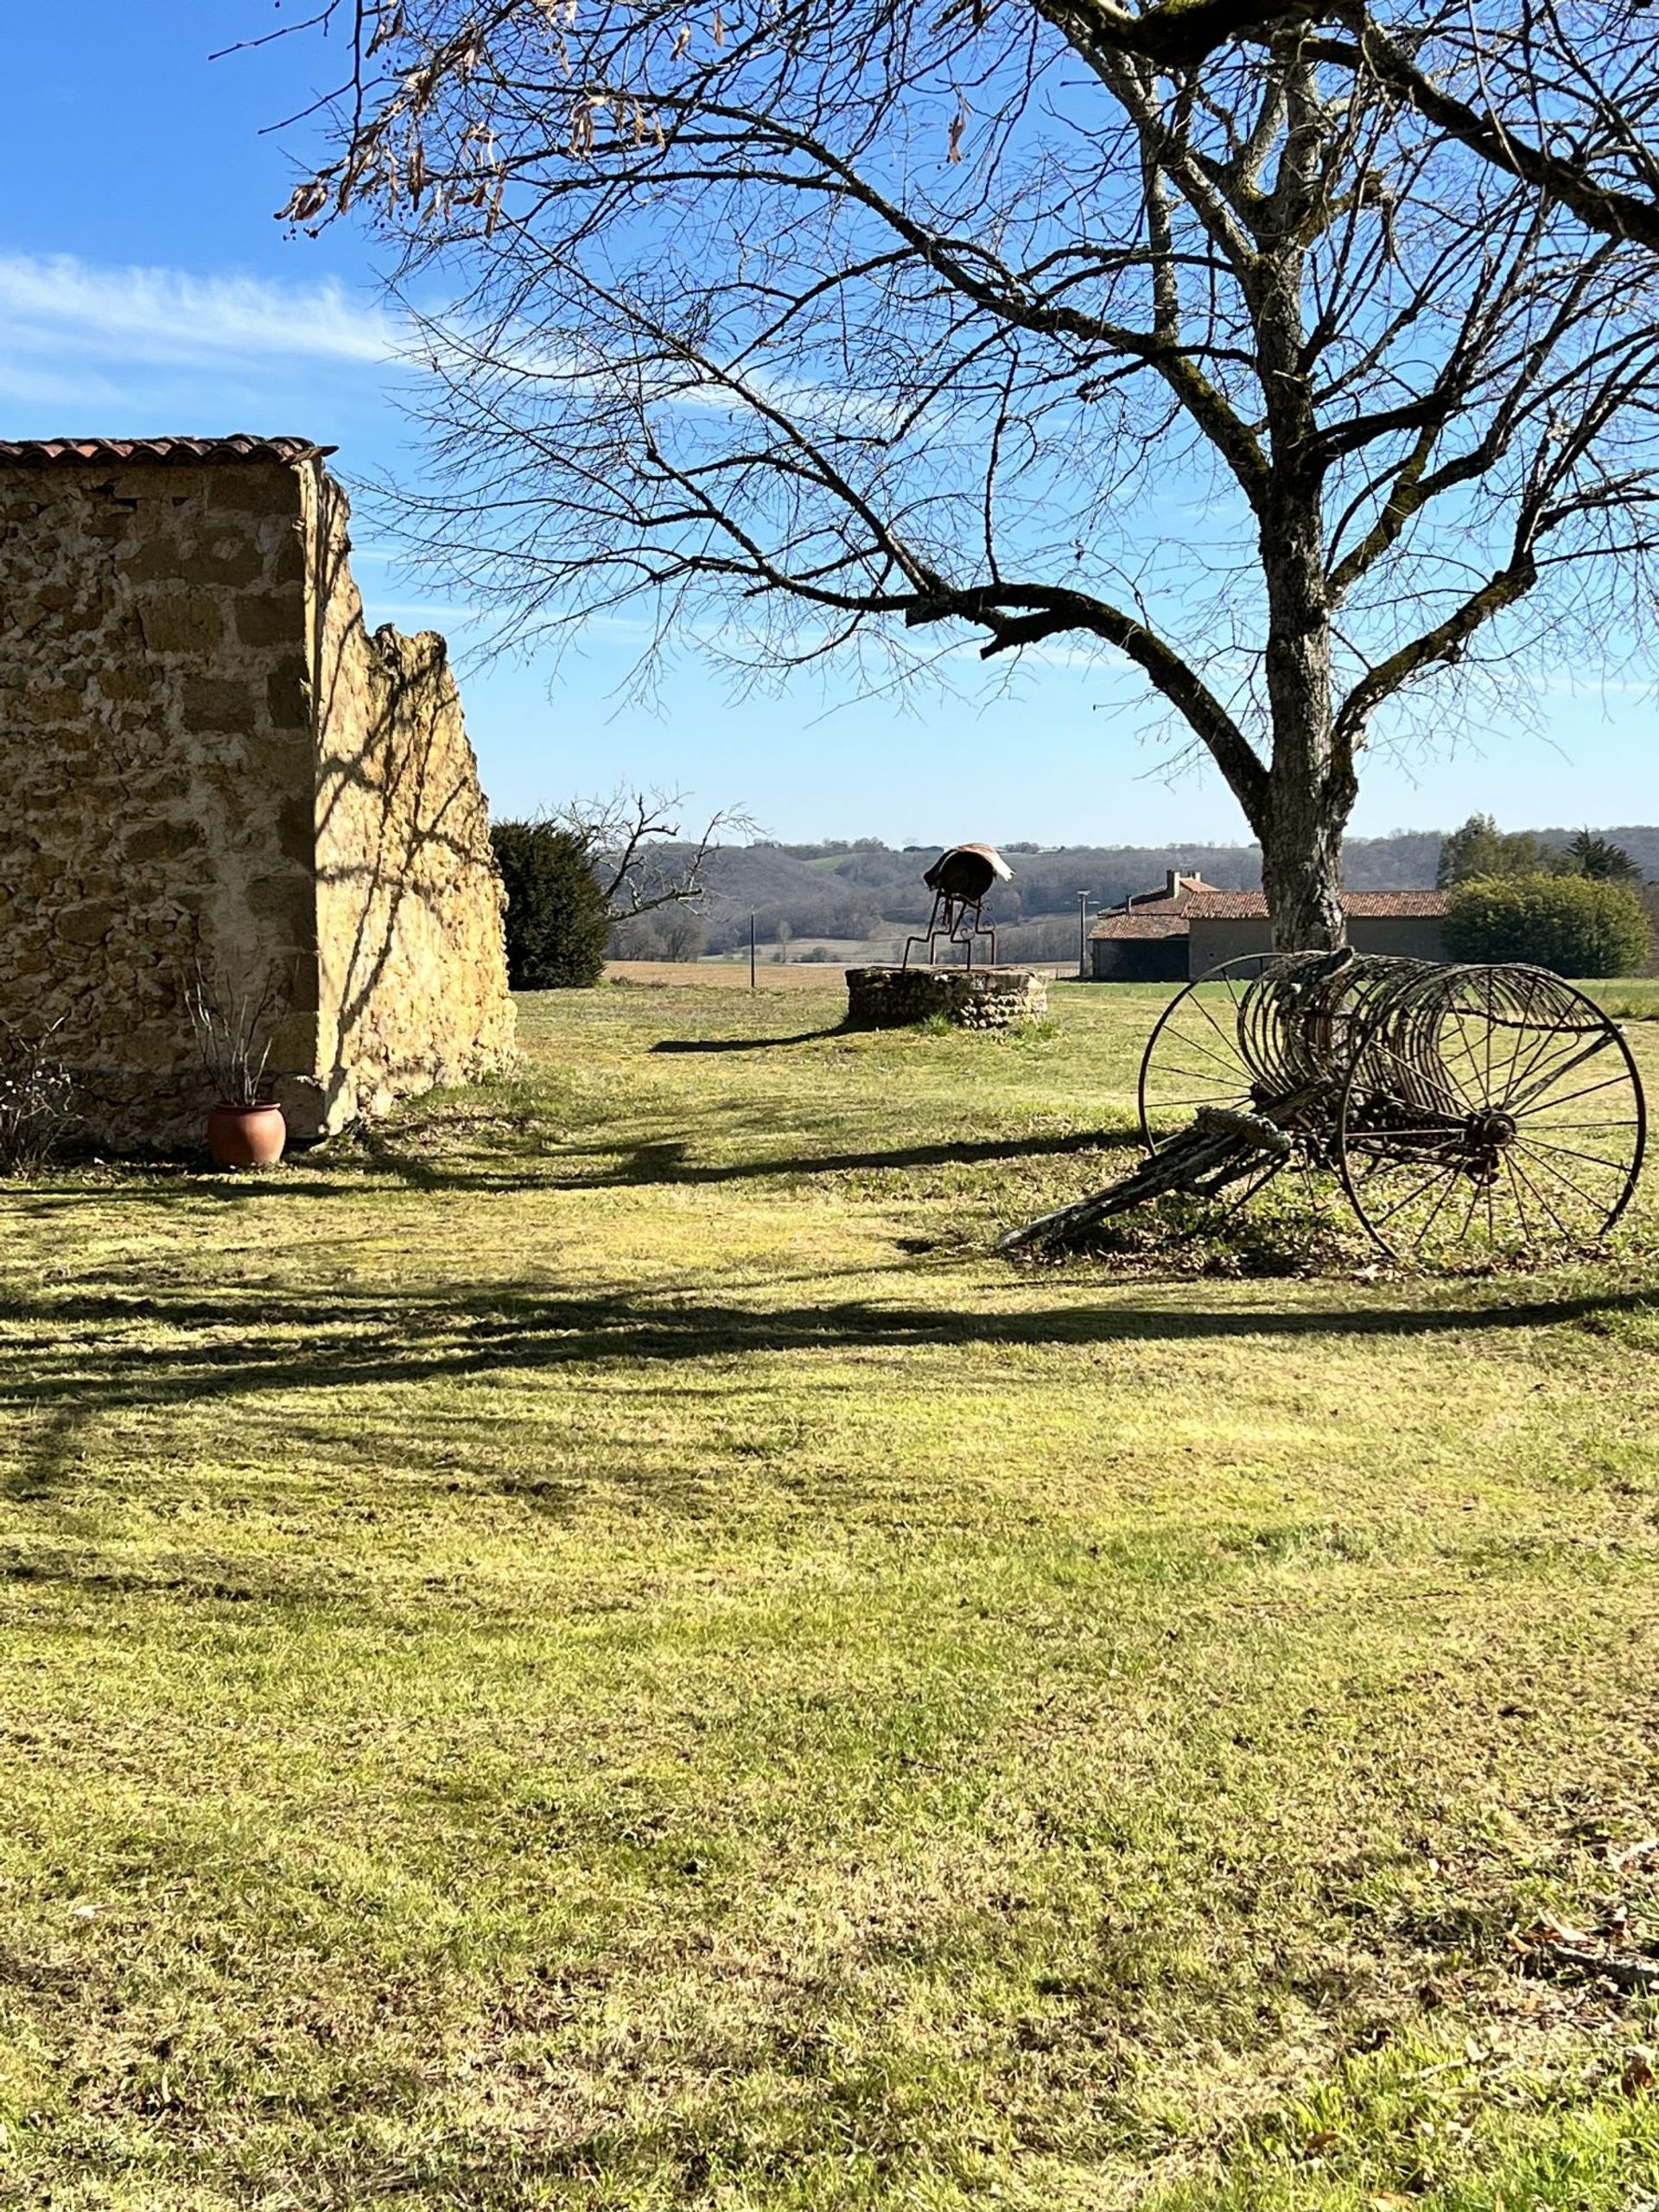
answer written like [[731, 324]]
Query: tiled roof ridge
[[1169, 916], [1192, 883], [167, 451]]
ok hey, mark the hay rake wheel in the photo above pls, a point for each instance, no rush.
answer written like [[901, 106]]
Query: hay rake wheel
[[1193, 1057], [1196, 1063], [1490, 1109], [1468, 1112]]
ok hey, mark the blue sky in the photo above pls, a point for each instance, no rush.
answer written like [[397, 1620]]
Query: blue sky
[[145, 286]]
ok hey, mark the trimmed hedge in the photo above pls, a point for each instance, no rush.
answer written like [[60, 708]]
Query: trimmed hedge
[[557, 921], [1572, 923]]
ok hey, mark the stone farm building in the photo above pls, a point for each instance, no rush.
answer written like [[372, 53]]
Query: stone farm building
[[211, 766], [1169, 935]]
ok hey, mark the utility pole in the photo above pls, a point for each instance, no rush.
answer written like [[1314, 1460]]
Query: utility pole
[[751, 952], [1083, 936]]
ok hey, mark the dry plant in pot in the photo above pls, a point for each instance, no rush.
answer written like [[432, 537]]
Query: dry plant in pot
[[246, 1128]]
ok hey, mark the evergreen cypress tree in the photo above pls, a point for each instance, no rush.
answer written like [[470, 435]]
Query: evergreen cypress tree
[[557, 919]]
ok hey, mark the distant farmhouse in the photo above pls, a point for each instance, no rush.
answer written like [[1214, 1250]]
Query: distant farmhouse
[[1168, 936], [212, 767]]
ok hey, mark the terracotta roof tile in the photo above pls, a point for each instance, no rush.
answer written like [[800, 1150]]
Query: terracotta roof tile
[[1143, 925], [1166, 917], [1395, 902], [1250, 905], [187, 452]]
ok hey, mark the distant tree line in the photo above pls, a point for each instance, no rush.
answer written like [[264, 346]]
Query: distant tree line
[[666, 898]]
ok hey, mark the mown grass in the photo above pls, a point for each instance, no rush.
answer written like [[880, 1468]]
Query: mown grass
[[596, 1646]]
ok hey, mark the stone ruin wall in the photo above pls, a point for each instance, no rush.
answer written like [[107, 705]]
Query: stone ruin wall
[[207, 761], [410, 914]]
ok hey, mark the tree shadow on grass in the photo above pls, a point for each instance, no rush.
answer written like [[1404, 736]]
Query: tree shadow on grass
[[748, 1044], [91, 1354], [557, 1165], [666, 1160]]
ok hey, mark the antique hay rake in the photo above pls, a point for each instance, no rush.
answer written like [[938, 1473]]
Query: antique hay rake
[[1465, 1110]]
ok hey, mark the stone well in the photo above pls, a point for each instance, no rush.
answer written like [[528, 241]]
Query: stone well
[[969, 998]]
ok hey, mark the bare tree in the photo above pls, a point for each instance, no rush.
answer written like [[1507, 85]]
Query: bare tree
[[817, 330], [640, 857], [1562, 95], [682, 935]]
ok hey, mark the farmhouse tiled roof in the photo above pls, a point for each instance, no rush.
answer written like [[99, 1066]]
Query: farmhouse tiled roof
[[1120, 924], [1250, 905], [1162, 913], [177, 452]]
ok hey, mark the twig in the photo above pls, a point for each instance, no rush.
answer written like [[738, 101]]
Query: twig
[[1622, 1968]]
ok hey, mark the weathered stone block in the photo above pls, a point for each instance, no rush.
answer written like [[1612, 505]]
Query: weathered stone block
[[270, 617], [56, 705], [154, 560], [287, 902], [87, 922], [161, 841], [221, 703], [223, 560], [123, 683], [178, 625]]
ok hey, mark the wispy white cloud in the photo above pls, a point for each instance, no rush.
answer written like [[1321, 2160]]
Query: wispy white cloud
[[59, 309]]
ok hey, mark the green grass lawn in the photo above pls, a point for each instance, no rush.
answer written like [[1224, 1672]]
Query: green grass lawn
[[597, 1647]]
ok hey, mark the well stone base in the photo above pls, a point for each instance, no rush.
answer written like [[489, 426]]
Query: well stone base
[[971, 998]]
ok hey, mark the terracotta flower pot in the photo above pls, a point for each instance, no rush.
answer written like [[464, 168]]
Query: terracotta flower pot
[[246, 1136]]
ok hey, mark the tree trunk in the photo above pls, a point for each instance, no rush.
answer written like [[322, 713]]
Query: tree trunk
[[1310, 790], [1301, 865]]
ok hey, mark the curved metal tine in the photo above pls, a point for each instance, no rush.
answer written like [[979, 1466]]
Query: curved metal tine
[[1419, 1075], [1540, 1089], [1548, 1032]]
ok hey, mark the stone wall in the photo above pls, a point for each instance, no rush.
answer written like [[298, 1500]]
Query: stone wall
[[412, 949], [195, 734], [971, 998]]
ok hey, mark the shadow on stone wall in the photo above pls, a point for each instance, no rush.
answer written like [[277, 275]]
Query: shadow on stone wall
[[412, 968]]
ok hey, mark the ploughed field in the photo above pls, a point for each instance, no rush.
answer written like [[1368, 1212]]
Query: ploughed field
[[595, 1647]]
